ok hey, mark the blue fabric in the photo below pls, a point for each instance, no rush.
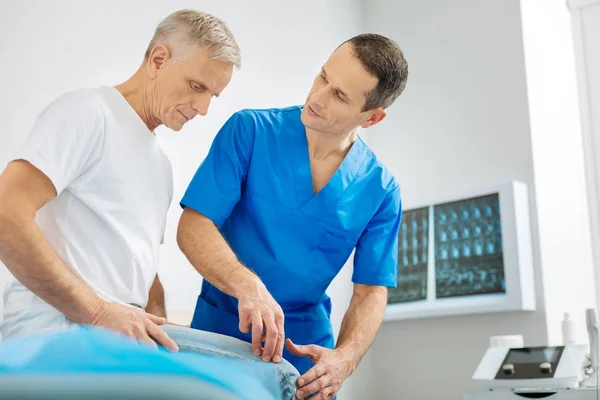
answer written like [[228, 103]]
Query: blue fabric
[[213, 344], [88, 350], [256, 186]]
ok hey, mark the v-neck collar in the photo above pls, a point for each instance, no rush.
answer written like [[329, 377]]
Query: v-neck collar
[[341, 180]]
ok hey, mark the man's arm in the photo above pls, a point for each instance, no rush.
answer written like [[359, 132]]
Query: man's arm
[[359, 328], [361, 322], [26, 252], [207, 250], [375, 269], [156, 299], [28, 255]]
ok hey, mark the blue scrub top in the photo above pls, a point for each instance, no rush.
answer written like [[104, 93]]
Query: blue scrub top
[[256, 186]]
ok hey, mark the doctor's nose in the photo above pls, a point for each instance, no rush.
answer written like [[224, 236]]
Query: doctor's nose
[[319, 98]]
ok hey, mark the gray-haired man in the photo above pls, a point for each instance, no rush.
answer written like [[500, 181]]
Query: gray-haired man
[[83, 203]]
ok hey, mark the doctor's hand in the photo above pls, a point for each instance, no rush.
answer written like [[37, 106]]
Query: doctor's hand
[[258, 310], [133, 322], [325, 379]]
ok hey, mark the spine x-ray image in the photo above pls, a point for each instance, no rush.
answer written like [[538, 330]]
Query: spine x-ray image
[[467, 243], [413, 245], [468, 247]]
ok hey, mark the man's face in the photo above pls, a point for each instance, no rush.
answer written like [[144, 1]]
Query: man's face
[[185, 87], [336, 100]]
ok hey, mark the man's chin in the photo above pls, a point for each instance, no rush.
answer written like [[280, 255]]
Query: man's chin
[[308, 124], [306, 119], [175, 126]]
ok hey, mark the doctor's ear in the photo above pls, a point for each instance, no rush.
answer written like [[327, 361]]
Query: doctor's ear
[[377, 115]]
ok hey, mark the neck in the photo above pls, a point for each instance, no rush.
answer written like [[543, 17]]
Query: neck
[[138, 92], [322, 145]]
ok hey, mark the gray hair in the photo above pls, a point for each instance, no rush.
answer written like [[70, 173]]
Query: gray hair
[[185, 28]]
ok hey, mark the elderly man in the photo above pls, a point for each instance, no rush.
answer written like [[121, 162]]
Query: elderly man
[[84, 202], [279, 204]]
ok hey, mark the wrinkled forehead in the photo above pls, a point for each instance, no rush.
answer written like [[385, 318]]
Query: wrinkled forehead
[[345, 70]]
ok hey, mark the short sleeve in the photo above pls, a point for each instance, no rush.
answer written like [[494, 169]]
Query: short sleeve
[[64, 140], [217, 184], [376, 256]]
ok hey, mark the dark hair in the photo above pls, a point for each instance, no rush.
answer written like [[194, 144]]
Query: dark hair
[[382, 58]]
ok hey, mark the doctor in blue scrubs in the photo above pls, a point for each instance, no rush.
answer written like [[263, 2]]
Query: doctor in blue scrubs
[[279, 204]]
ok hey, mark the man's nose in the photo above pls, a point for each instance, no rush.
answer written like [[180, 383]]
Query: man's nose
[[319, 98], [201, 105]]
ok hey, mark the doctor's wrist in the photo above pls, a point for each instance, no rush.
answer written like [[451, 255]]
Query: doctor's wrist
[[348, 358], [249, 285]]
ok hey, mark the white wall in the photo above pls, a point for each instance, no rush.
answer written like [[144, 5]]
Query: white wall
[[462, 124], [51, 47]]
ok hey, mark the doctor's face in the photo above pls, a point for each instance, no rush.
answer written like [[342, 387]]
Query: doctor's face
[[337, 98]]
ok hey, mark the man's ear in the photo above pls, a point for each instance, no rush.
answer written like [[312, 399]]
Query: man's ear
[[376, 117], [156, 60]]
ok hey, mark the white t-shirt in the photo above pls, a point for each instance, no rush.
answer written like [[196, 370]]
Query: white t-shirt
[[114, 186]]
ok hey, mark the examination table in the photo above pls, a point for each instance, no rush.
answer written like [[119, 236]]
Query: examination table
[[93, 363]]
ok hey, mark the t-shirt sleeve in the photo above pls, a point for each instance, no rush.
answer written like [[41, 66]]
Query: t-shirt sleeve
[[217, 184], [376, 256], [65, 137]]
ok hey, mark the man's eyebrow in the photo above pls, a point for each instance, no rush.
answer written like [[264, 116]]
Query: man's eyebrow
[[336, 88]]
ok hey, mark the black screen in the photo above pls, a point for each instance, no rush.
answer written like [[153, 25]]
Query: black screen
[[536, 355]]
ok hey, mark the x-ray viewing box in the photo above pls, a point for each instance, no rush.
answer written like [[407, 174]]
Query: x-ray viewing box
[[464, 255]]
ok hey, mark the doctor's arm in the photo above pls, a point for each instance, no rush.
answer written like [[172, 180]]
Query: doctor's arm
[[359, 328], [375, 269], [207, 250], [361, 322], [209, 200]]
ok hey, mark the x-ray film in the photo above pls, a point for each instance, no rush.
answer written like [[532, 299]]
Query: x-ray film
[[468, 247]]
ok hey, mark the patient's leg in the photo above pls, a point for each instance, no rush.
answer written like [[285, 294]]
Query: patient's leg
[[214, 344]]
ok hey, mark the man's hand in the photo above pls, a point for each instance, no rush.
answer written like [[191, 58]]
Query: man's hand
[[325, 379], [176, 324], [206, 249], [133, 322], [258, 310]]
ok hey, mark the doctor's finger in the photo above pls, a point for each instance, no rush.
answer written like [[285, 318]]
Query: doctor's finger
[[257, 332], [312, 375], [320, 385], [245, 322], [280, 340], [271, 340]]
